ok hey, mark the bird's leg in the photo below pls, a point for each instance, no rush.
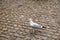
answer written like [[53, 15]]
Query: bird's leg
[[33, 30]]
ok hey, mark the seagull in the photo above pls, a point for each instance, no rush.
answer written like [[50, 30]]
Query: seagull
[[34, 25]]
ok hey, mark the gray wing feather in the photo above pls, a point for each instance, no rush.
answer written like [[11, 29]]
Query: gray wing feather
[[36, 26]]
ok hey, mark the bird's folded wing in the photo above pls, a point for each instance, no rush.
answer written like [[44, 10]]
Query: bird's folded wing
[[36, 25]]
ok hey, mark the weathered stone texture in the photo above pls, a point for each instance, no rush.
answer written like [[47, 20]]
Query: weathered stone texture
[[15, 14]]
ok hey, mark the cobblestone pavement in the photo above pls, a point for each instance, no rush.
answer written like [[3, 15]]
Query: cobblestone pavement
[[15, 14]]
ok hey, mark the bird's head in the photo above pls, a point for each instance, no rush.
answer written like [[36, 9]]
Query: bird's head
[[30, 19]]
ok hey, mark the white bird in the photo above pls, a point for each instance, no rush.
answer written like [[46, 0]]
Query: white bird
[[34, 25]]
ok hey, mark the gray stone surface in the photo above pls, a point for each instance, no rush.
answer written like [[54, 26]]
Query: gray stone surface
[[15, 14]]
